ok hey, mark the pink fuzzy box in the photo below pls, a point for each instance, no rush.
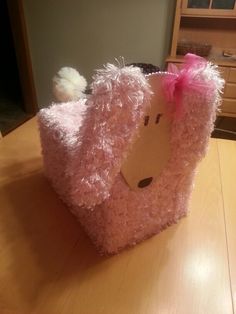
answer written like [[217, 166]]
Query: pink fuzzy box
[[85, 145]]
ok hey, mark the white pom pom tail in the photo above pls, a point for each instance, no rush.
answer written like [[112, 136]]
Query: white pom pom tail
[[68, 85]]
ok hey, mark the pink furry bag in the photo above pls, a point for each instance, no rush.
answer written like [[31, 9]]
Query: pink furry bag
[[86, 143]]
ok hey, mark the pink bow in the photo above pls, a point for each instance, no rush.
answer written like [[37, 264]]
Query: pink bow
[[180, 80]]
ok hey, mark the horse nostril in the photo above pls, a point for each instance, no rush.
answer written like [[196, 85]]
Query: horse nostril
[[145, 182], [146, 119], [158, 117]]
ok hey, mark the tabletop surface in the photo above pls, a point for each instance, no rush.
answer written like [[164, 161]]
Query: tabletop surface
[[48, 265]]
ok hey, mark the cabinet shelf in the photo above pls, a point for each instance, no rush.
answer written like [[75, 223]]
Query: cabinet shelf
[[209, 16], [219, 62]]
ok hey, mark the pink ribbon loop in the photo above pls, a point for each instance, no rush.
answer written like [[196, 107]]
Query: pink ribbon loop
[[183, 79]]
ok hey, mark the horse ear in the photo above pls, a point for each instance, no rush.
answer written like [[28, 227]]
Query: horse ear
[[115, 108], [191, 129]]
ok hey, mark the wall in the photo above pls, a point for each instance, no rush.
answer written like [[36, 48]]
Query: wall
[[86, 34]]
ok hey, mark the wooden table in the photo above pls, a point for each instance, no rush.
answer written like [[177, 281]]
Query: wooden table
[[48, 265]]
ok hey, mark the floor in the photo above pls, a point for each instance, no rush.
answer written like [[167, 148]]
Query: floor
[[11, 115]]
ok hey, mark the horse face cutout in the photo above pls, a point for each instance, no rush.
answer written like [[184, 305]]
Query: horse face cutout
[[151, 148]]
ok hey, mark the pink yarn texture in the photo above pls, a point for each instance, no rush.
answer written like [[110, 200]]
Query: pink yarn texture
[[85, 142]]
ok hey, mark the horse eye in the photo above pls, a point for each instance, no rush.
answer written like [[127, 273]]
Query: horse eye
[[146, 120], [158, 117]]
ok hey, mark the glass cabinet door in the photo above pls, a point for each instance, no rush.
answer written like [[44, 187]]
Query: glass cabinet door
[[198, 4], [223, 5], [209, 7]]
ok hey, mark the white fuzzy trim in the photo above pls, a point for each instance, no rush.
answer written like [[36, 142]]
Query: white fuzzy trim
[[68, 85]]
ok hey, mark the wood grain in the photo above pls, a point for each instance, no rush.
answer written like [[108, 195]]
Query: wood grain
[[232, 75], [228, 106], [230, 90], [176, 26], [47, 264], [227, 153]]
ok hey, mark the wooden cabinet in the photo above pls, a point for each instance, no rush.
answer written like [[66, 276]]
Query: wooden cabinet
[[211, 22], [229, 97]]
